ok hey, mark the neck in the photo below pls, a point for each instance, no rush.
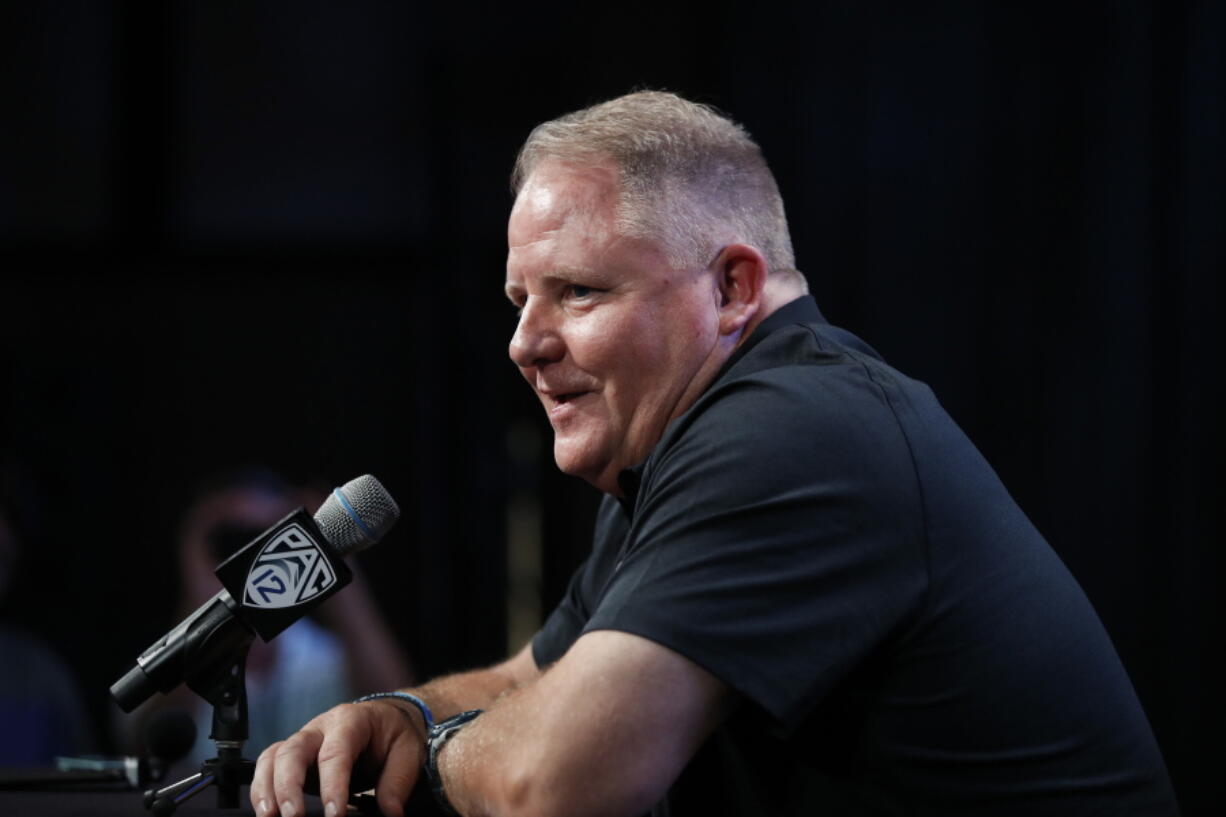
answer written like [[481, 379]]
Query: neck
[[778, 291]]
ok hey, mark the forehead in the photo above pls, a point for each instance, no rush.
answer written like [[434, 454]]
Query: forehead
[[565, 221], [558, 196]]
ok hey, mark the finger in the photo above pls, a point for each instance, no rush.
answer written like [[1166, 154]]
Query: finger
[[290, 763], [400, 773], [347, 737], [261, 782]]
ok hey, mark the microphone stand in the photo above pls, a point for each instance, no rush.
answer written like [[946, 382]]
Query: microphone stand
[[223, 683], [208, 649]]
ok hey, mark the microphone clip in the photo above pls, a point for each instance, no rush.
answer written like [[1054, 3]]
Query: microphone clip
[[226, 690]]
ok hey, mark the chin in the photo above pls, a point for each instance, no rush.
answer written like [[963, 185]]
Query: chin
[[575, 461]]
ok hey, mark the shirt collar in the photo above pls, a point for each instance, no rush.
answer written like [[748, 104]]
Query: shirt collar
[[802, 310]]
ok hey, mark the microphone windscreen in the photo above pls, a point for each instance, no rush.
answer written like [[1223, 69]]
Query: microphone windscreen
[[357, 514], [170, 735]]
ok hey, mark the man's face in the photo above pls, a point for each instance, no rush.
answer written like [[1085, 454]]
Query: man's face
[[615, 341]]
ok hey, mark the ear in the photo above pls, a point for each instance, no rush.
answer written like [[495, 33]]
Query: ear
[[740, 279]]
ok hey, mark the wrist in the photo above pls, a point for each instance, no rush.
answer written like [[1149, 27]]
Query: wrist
[[439, 735], [408, 704]]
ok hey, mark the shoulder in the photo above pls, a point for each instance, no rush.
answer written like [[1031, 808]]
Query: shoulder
[[799, 432], [812, 411]]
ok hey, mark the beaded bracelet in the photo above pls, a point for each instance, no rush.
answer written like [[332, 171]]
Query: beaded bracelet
[[403, 696]]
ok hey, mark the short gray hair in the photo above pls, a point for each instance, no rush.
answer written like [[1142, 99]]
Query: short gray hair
[[690, 177]]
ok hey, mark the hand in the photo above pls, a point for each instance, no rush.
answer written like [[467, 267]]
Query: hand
[[382, 734]]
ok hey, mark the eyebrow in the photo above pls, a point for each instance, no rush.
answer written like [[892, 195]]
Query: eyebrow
[[562, 276]]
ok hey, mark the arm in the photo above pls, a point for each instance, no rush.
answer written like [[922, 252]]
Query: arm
[[385, 733], [604, 731]]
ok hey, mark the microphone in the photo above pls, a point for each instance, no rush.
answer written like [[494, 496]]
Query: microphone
[[268, 585]]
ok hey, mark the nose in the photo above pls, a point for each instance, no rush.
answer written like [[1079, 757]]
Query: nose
[[536, 341]]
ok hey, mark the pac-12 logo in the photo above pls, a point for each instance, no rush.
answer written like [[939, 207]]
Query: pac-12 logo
[[290, 570]]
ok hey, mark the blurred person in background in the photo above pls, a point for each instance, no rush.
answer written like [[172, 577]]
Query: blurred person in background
[[42, 714], [314, 664]]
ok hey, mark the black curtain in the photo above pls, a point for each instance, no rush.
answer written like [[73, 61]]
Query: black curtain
[[273, 233]]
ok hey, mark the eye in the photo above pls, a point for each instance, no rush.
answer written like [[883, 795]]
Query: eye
[[579, 291]]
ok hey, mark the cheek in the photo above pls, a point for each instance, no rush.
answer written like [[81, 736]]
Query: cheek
[[643, 351], [604, 345], [701, 332], [688, 338]]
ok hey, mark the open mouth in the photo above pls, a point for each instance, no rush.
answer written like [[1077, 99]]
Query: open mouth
[[563, 399]]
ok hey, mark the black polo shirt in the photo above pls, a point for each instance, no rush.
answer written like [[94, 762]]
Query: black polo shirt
[[818, 533]]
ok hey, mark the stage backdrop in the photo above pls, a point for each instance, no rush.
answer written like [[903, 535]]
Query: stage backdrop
[[272, 233]]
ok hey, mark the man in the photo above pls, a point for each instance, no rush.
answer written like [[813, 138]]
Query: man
[[808, 592]]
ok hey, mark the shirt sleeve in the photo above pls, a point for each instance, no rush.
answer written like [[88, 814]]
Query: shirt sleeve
[[566, 622], [777, 538], [562, 626]]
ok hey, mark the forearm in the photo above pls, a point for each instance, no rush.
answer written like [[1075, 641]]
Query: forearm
[[604, 732], [480, 767], [518, 759], [475, 689], [389, 733]]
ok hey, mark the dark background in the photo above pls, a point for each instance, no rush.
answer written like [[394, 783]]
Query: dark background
[[272, 233]]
